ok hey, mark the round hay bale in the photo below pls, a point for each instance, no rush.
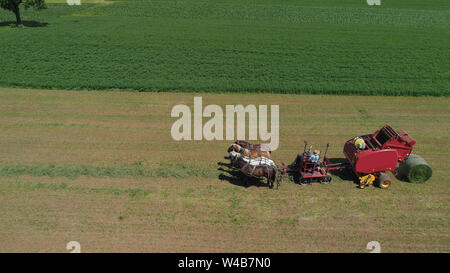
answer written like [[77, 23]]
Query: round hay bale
[[415, 169]]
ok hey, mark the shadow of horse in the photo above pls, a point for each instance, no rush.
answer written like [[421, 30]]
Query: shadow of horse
[[237, 178], [24, 23], [294, 176]]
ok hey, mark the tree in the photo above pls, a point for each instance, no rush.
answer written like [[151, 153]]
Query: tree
[[13, 5]]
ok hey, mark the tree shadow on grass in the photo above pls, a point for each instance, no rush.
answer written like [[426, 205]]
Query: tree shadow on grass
[[237, 178], [24, 23]]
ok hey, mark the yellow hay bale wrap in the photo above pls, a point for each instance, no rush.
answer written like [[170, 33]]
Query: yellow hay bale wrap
[[415, 169]]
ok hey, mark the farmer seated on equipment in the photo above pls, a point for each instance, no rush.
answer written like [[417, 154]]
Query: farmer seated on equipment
[[359, 143], [314, 158]]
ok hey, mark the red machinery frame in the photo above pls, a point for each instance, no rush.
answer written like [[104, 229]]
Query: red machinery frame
[[384, 150]]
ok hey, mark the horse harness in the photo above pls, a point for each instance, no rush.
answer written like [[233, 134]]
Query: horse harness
[[253, 169]]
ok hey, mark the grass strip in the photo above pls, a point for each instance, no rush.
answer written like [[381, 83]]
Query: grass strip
[[73, 172]]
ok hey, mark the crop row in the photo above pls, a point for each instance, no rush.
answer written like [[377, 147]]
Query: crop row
[[162, 46]]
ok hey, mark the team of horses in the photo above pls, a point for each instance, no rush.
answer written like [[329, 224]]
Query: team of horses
[[254, 160]]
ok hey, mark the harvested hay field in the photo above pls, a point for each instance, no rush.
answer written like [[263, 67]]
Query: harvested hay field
[[102, 169], [290, 46]]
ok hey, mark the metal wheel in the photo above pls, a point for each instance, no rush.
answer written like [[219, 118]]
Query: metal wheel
[[384, 181], [303, 181], [326, 180]]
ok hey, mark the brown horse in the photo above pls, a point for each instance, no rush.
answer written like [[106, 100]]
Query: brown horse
[[248, 145], [248, 153], [266, 171]]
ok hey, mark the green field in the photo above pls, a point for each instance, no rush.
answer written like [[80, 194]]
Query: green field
[[304, 46], [101, 168]]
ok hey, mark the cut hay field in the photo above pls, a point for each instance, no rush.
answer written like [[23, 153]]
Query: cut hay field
[[101, 168], [291, 46]]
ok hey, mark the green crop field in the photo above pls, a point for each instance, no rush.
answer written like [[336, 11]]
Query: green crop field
[[304, 46]]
